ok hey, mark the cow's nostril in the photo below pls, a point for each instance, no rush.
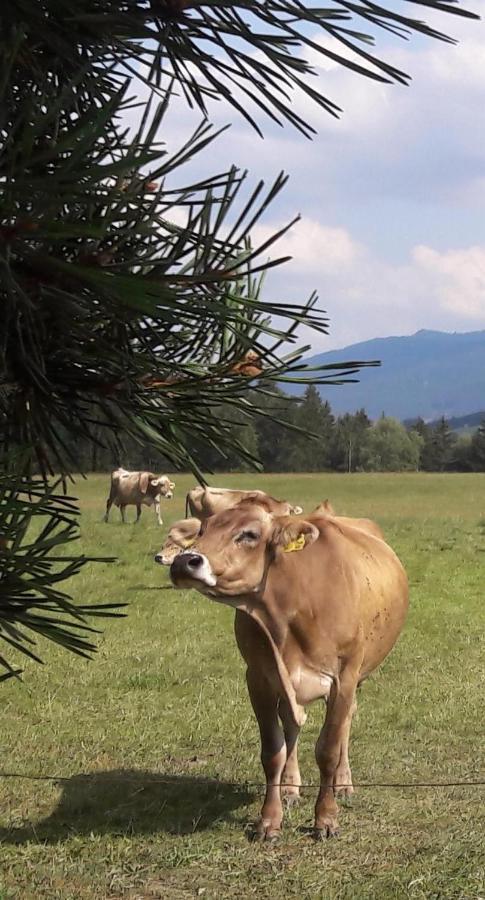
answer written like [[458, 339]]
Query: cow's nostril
[[158, 558], [186, 563], [193, 560]]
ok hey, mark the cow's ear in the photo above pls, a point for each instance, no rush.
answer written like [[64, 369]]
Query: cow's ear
[[144, 482], [293, 535], [324, 508]]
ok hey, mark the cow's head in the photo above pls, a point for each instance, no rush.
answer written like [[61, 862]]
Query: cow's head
[[180, 537], [158, 485], [231, 555]]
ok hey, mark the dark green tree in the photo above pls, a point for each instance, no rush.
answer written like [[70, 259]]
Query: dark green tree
[[118, 322], [438, 447], [274, 430], [477, 448], [461, 458], [310, 448]]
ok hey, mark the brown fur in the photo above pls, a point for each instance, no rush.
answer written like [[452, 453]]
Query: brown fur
[[312, 623]]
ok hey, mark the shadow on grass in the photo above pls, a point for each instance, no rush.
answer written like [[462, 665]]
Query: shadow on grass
[[151, 587], [130, 802]]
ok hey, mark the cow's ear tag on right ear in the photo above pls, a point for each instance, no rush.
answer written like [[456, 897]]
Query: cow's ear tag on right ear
[[189, 542], [297, 544]]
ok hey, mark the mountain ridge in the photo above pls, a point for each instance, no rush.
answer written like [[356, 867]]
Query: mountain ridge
[[429, 374]]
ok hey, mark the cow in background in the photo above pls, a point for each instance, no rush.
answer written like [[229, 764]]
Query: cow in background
[[181, 536], [138, 489], [204, 502]]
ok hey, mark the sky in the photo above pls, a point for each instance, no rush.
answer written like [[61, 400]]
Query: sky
[[391, 195]]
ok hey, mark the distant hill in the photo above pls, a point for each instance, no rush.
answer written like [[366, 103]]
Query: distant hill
[[462, 424], [429, 374]]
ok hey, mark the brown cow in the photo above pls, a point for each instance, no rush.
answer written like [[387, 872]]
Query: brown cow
[[326, 509], [204, 502], [310, 624], [137, 489], [182, 535]]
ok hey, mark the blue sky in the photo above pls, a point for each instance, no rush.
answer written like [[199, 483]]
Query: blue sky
[[392, 196]]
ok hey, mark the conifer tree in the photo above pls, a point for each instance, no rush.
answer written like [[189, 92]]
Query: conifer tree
[[438, 446], [477, 449], [130, 298], [310, 449]]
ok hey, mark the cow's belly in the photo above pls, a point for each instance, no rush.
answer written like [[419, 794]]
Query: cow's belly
[[310, 685]]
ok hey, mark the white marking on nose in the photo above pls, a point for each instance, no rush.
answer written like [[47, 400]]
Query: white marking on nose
[[203, 571]]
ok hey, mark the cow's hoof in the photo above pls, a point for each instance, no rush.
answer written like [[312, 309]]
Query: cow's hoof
[[344, 792], [291, 800], [265, 834], [328, 831]]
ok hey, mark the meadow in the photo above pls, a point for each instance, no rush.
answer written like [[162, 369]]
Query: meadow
[[135, 775]]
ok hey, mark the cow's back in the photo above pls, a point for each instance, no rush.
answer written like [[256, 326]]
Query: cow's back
[[126, 486]]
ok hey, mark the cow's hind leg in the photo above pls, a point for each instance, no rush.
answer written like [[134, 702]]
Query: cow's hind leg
[[273, 755], [109, 504], [328, 750], [122, 511], [291, 778], [342, 782], [138, 512]]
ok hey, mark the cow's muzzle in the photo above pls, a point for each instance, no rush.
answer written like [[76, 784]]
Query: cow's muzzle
[[160, 559], [194, 567]]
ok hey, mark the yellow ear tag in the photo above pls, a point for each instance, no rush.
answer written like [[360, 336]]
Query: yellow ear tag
[[189, 543], [298, 544]]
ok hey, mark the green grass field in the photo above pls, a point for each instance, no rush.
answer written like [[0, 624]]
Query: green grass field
[[118, 751]]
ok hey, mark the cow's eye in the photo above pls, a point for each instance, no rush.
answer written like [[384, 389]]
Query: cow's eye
[[247, 535]]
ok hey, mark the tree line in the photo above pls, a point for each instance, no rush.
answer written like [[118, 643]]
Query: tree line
[[303, 435]]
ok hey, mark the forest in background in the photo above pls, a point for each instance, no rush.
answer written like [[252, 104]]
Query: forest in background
[[305, 436]]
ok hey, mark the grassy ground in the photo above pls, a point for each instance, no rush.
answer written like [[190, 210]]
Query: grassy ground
[[132, 737]]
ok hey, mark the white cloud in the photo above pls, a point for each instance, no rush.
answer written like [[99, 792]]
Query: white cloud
[[457, 278], [313, 246], [392, 234], [367, 295]]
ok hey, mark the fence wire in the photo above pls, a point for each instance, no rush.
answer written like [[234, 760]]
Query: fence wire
[[237, 785]]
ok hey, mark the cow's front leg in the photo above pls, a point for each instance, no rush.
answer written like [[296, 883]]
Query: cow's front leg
[[273, 754], [138, 512], [328, 750], [342, 782], [291, 779], [157, 512], [122, 512]]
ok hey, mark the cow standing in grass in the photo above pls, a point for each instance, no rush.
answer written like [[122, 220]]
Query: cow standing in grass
[[319, 605], [138, 489]]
